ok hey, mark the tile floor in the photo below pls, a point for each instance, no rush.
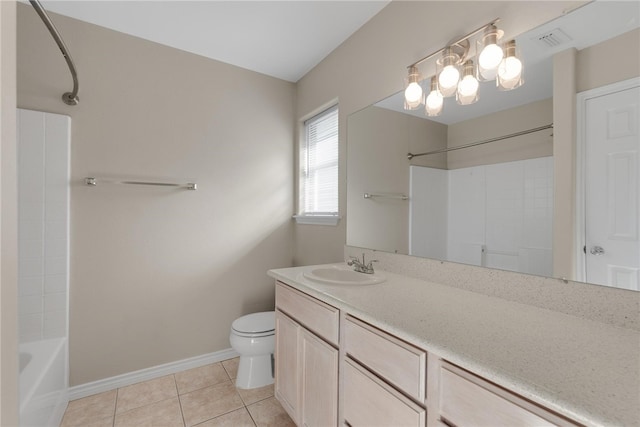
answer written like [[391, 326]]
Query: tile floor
[[204, 397]]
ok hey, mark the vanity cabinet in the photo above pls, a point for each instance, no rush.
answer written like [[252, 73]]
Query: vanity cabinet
[[384, 381], [306, 355]]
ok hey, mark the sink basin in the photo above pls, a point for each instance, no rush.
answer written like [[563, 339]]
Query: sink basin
[[342, 276]]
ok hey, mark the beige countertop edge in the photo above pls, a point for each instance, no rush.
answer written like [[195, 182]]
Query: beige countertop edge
[[520, 364]]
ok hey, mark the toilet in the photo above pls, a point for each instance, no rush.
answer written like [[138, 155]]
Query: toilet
[[254, 337]]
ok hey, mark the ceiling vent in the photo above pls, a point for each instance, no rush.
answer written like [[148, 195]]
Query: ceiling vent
[[552, 39]]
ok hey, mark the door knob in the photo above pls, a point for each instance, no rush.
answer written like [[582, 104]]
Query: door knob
[[597, 250]]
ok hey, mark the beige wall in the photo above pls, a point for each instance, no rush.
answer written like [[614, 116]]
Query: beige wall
[[379, 141], [8, 219], [564, 155], [158, 275], [611, 61], [530, 146], [370, 66]]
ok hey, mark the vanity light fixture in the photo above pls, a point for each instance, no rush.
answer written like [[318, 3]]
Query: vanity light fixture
[[457, 73]]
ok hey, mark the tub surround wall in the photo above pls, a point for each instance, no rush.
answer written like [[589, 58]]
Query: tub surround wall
[[43, 229], [158, 275], [496, 216], [43, 274], [617, 307]]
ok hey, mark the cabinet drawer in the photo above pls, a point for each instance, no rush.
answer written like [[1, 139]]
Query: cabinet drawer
[[370, 402], [311, 313], [399, 363], [466, 400]]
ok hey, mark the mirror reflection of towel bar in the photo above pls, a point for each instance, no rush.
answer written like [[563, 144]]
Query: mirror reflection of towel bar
[[386, 196], [94, 182]]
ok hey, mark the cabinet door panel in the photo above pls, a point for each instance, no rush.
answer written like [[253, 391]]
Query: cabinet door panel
[[369, 402], [287, 365], [319, 382]]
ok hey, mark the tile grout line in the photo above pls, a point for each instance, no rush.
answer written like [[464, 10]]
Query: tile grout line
[[175, 383], [115, 409], [251, 416]]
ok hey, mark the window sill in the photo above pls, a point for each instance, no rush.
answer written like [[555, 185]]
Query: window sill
[[317, 219]]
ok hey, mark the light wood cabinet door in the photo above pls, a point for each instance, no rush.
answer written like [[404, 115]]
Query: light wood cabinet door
[[287, 365], [319, 382], [369, 402], [306, 366]]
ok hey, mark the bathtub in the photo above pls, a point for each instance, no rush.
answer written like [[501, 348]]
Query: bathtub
[[43, 382]]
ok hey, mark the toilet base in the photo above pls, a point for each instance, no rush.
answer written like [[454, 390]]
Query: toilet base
[[255, 371]]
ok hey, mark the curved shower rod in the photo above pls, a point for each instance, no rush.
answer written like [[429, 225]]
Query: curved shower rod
[[69, 98]]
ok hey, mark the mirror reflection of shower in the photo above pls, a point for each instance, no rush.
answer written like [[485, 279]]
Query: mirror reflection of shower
[[43, 259]]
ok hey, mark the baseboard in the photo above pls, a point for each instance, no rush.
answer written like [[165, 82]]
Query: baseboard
[[88, 389]]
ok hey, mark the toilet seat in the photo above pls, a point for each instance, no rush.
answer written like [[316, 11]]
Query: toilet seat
[[255, 324]]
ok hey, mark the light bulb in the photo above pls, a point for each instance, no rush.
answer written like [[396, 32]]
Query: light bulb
[[490, 57], [448, 77], [448, 72], [510, 68], [435, 100], [490, 53], [467, 92], [413, 93], [468, 86]]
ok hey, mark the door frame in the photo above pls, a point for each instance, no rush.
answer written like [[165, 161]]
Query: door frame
[[581, 123]]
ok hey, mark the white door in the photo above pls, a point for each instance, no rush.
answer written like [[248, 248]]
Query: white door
[[612, 223]]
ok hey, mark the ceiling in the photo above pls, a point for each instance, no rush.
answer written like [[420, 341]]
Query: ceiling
[[283, 39]]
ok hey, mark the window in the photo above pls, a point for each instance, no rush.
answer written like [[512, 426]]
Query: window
[[319, 170]]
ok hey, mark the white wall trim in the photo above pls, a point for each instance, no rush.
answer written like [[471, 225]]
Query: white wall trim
[[107, 384], [581, 110]]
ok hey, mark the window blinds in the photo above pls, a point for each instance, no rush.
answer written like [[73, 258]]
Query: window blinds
[[320, 164]]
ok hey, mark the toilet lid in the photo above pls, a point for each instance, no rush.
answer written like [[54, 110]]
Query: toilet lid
[[255, 323]]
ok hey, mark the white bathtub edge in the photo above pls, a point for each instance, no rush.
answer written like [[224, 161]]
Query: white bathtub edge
[[107, 384]]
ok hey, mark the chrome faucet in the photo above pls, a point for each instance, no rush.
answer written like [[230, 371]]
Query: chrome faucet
[[362, 266]]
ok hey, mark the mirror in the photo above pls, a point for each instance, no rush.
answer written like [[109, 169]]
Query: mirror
[[489, 205]]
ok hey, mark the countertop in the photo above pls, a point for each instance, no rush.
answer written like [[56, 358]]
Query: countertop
[[583, 369]]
